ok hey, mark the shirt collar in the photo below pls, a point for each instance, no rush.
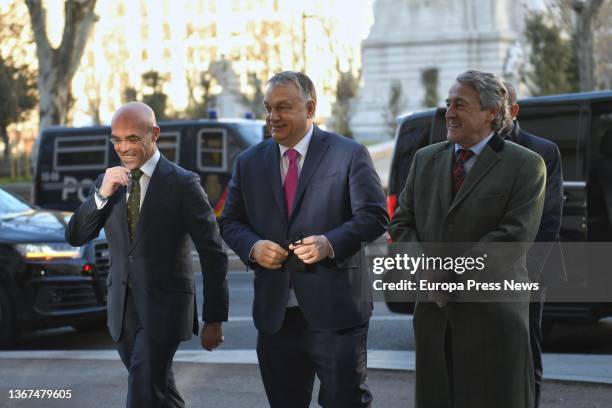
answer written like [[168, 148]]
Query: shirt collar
[[477, 148], [149, 167], [301, 146]]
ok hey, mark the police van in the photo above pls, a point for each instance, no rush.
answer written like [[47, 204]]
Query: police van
[[70, 159]]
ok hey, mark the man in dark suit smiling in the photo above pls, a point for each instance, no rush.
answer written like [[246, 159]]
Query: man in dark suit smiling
[[473, 190], [299, 207], [151, 209]]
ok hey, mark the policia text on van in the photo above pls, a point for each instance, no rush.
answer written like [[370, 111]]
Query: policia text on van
[[69, 159]]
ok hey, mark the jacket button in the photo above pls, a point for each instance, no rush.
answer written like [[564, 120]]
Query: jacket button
[[131, 259]]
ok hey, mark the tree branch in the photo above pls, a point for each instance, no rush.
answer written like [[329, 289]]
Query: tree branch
[[80, 18], [39, 27]]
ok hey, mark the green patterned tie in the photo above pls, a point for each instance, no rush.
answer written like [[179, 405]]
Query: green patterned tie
[[133, 203]]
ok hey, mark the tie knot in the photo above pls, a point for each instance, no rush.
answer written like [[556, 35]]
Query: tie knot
[[464, 155], [136, 174], [292, 154]]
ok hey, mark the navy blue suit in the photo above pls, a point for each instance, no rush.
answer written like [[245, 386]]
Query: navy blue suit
[[544, 262], [339, 195]]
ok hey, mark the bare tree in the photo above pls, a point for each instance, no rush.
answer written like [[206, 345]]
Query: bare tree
[[429, 78], [342, 110], [586, 11], [588, 24], [255, 100], [17, 79], [395, 106], [57, 66], [199, 105]]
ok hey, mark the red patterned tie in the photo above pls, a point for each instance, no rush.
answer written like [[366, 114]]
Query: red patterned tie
[[291, 178], [459, 168]]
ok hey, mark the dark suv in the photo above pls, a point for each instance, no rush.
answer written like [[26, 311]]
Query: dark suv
[[581, 126], [45, 282]]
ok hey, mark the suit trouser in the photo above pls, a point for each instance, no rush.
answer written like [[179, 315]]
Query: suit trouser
[[289, 359], [535, 338], [149, 363]]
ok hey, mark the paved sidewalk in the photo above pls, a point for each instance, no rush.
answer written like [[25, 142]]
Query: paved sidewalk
[[102, 384], [561, 367]]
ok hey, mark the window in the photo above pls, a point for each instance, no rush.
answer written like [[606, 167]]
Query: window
[[168, 145], [81, 152], [212, 150]]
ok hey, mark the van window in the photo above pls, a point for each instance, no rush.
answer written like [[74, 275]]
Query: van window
[[212, 150], [81, 152], [168, 145]]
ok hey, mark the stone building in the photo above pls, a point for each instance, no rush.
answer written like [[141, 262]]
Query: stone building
[[424, 44]]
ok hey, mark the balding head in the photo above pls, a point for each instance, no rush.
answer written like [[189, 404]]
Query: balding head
[[137, 113], [134, 133]]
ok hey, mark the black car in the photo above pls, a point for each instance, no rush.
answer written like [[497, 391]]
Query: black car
[[45, 282], [581, 126]]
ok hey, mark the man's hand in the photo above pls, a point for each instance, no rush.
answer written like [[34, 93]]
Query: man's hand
[[312, 249], [269, 254], [212, 335], [113, 178]]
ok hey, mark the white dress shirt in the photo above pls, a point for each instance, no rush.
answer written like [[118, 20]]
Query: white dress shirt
[[147, 172]]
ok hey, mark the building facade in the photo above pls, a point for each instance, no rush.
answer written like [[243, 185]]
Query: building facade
[[425, 44]]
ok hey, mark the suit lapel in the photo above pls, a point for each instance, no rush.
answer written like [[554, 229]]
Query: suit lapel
[[444, 160], [272, 167], [484, 162], [157, 190], [316, 150]]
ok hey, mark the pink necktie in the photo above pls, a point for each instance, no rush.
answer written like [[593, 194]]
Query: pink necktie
[[291, 178]]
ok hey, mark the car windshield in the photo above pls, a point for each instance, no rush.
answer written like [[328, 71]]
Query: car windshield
[[9, 204]]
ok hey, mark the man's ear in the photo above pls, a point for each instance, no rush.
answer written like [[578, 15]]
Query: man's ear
[[514, 110], [493, 114], [311, 108], [155, 133]]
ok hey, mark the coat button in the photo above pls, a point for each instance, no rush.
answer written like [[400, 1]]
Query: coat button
[[131, 259]]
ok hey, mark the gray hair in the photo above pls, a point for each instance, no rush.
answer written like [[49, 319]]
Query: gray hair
[[511, 92], [511, 101], [491, 91], [301, 81]]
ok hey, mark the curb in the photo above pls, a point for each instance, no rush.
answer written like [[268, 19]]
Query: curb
[[562, 367]]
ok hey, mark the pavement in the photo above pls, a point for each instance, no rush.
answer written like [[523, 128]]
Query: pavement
[[98, 379]]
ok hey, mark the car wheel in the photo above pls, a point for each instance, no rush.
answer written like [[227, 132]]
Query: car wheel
[[7, 321]]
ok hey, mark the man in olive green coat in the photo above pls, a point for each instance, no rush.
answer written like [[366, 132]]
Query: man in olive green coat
[[473, 188]]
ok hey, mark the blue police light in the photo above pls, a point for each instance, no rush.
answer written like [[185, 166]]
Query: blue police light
[[212, 114], [249, 115]]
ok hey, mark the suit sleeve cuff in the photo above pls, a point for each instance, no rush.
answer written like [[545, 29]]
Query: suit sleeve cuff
[[251, 259], [99, 203], [332, 254]]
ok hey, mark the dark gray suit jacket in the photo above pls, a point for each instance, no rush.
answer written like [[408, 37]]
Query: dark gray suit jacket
[[545, 262], [158, 262], [340, 196]]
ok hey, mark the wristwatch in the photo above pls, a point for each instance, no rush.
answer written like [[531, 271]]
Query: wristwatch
[[101, 197]]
